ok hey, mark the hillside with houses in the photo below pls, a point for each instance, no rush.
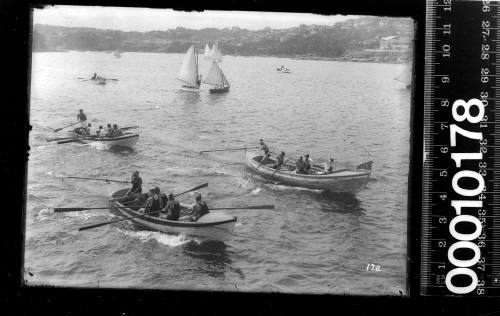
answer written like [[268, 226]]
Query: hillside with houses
[[375, 39]]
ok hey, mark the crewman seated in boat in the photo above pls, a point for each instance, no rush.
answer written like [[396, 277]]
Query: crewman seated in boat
[[299, 166], [81, 117], [329, 166], [94, 76], [136, 189], [200, 208], [109, 131], [307, 164], [100, 132], [116, 130], [172, 209], [279, 160], [153, 204], [88, 130]]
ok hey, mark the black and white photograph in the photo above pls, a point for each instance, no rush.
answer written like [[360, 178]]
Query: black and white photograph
[[234, 151]]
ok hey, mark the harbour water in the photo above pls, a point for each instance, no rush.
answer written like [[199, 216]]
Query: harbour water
[[313, 242]]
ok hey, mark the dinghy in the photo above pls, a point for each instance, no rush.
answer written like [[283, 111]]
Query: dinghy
[[216, 78], [188, 73], [212, 226], [339, 181]]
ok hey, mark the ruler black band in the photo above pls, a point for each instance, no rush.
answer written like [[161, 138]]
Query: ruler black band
[[460, 227]]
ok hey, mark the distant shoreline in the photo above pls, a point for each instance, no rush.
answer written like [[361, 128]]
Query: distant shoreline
[[296, 57]]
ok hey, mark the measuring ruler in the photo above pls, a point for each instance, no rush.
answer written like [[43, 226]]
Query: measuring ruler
[[460, 222]]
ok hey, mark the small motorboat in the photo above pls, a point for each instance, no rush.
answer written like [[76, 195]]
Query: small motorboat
[[212, 226], [339, 181]]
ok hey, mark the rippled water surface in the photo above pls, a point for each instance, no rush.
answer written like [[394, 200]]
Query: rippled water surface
[[313, 241]]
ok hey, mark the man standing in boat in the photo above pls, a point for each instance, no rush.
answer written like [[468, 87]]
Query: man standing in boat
[[263, 146], [136, 189], [200, 208], [82, 118]]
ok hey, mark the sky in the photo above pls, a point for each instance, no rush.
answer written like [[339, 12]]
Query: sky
[[145, 19]]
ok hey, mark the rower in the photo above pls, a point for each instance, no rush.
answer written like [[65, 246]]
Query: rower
[[109, 131], [82, 118], [279, 160], [307, 164], [100, 132], [263, 146], [329, 166], [116, 130], [173, 208], [153, 204], [136, 189], [94, 76], [88, 130], [200, 208], [299, 166]]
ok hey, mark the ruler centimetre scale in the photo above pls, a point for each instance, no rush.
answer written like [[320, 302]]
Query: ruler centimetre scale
[[460, 220]]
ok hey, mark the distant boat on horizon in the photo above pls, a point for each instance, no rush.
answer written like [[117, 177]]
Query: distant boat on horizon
[[207, 52], [117, 54], [188, 73], [215, 53], [216, 78]]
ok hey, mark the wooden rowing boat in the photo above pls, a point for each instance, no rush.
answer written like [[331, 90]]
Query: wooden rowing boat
[[340, 181], [212, 226], [124, 140]]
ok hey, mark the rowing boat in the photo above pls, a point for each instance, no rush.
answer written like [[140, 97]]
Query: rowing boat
[[212, 226], [340, 181], [124, 140]]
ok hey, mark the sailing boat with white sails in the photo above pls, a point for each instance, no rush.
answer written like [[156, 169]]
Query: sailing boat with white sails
[[216, 78], [188, 73], [216, 54], [207, 52]]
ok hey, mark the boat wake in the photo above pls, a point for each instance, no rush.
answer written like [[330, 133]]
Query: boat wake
[[165, 239]]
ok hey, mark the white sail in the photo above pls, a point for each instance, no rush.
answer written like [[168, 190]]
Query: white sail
[[216, 54], [189, 68], [215, 76], [207, 51]]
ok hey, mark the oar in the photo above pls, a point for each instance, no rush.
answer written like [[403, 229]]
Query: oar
[[128, 127], [79, 209], [250, 178], [59, 138], [226, 149], [73, 140], [58, 129], [130, 217], [98, 179], [252, 207], [272, 174]]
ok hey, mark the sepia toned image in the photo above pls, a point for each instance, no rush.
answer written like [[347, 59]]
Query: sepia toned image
[[218, 150]]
